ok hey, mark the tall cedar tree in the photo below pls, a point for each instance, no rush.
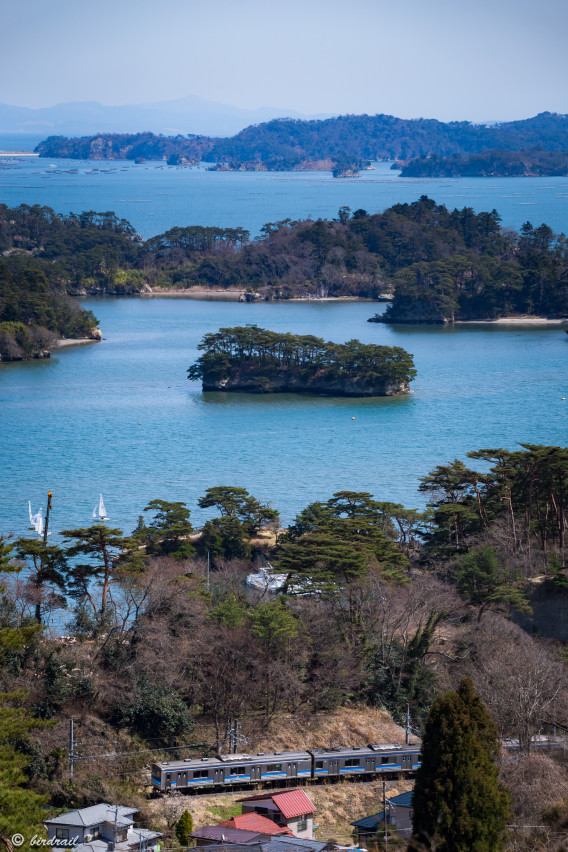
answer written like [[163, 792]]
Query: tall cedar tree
[[459, 804]]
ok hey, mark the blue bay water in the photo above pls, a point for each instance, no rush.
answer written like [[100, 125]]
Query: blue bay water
[[155, 196], [121, 418]]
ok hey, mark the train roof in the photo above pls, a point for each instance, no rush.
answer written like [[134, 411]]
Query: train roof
[[193, 763], [263, 756], [371, 748], [189, 763]]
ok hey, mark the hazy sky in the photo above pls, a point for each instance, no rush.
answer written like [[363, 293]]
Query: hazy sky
[[447, 59]]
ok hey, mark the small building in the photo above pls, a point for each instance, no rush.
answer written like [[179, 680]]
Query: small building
[[291, 809], [399, 815], [101, 828], [253, 821]]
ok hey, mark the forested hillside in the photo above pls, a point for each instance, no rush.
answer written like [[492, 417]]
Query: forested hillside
[[44, 258], [342, 141], [439, 264], [535, 162], [385, 606]]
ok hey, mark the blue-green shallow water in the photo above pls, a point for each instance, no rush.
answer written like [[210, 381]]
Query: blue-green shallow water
[[121, 418], [155, 197]]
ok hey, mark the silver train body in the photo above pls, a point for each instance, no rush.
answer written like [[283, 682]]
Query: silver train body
[[238, 769]]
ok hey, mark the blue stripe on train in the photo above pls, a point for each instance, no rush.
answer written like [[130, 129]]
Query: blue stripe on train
[[353, 769], [273, 775]]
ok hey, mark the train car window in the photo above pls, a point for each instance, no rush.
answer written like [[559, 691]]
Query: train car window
[[238, 770], [201, 773], [319, 764], [352, 761], [274, 767], [387, 760]]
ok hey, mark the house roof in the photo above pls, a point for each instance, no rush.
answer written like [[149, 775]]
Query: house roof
[[275, 844], [93, 846], [226, 835], [290, 843], [403, 801], [370, 823], [255, 822], [95, 814], [291, 803]]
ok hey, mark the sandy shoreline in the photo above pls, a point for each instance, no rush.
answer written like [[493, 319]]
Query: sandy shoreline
[[215, 294], [18, 154], [204, 293], [67, 342]]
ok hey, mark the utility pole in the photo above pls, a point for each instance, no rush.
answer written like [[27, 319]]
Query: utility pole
[[385, 837], [235, 736], [49, 496], [407, 724], [71, 748], [208, 568]]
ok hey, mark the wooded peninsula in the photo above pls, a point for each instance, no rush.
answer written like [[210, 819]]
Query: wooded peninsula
[[437, 265], [261, 361], [534, 162], [342, 144]]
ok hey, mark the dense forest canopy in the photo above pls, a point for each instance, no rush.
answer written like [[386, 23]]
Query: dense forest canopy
[[264, 354], [44, 258], [286, 143], [439, 264], [535, 162]]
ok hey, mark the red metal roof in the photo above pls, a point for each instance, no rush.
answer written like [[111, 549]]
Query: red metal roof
[[291, 803], [255, 822]]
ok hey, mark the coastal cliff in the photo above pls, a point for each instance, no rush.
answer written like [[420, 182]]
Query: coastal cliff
[[256, 360]]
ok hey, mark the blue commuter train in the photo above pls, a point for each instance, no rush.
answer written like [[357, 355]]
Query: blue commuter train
[[233, 769]]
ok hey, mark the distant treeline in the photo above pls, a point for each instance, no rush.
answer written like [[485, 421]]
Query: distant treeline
[[534, 162], [340, 143], [439, 264]]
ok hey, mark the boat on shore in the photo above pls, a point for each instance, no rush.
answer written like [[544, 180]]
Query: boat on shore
[[265, 581]]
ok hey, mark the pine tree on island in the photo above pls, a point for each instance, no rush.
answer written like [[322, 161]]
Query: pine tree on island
[[459, 804]]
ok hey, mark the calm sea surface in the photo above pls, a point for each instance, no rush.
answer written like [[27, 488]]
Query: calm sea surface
[[121, 418], [155, 197]]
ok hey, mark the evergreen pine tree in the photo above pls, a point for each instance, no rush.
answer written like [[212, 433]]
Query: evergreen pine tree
[[184, 827], [459, 804]]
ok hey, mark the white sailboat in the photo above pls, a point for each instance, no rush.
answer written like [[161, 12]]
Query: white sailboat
[[99, 512], [39, 522], [33, 518]]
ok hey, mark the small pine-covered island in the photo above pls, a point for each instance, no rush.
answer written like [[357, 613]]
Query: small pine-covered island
[[260, 361]]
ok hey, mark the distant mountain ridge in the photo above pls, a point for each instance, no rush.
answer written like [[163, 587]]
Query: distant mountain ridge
[[346, 142], [190, 114]]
